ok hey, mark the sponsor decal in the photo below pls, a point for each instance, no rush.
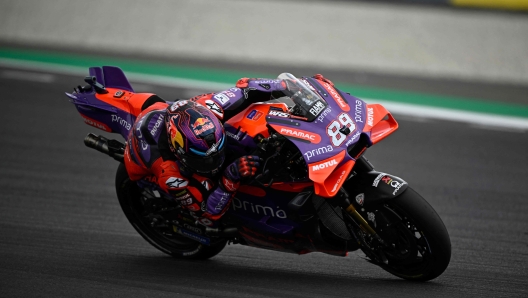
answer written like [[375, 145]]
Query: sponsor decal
[[205, 221], [393, 183], [229, 185], [157, 125], [307, 101], [318, 151], [324, 165], [338, 99], [178, 104], [265, 86], [215, 108], [118, 94], [95, 123], [323, 114], [278, 114], [144, 145], [257, 116], [317, 108], [175, 136], [206, 184], [213, 148], [254, 115], [246, 91], [309, 85], [360, 199], [186, 195], [232, 135], [151, 179], [224, 199], [358, 111], [338, 181], [314, 138], [189, 234], [176, 182], [377, 180], [202, 125], [251, 114], [190, 253], [372, 217], [370, 116], [266, 81], [353, 139], [192, 228], [263, 210], [138, 129], [222, 98]]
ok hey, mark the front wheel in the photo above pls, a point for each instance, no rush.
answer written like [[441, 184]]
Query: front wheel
[[416, 245], [132, 203]]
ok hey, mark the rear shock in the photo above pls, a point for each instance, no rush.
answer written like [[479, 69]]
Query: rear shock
[[112, 148]]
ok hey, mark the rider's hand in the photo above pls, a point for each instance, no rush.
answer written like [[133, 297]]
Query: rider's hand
[[243, 168], [264, 85]]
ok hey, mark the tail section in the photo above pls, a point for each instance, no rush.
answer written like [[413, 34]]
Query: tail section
[[108, 102], [111, 77]]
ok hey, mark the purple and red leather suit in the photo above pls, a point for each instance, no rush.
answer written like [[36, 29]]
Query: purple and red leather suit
[[147, 154]]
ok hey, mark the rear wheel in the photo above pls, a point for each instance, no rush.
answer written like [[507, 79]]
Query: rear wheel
[[132, 204], [416, 245]]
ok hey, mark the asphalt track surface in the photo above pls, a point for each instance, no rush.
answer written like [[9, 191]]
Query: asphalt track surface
[[62, 233]]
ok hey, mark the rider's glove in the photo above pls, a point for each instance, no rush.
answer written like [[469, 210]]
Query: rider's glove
[[243, 168], [264, 85]]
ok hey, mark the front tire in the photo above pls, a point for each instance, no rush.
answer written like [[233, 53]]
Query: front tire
[[129, 195], [417, 247]]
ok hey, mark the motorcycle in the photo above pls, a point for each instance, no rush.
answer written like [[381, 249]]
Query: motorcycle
[[316, 191]]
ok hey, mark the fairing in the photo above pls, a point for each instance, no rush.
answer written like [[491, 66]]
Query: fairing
[[114, 111], [326, 134]]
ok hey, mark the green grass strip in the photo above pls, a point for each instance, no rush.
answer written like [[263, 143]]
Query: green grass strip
[[230, 77]]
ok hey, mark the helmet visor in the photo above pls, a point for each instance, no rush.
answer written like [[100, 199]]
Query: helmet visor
[[205, 163]]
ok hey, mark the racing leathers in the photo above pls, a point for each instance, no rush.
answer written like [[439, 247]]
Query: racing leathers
[[148, 157]]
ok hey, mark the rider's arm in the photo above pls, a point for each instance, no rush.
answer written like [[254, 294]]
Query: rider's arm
[[227, 103], [192, 192]]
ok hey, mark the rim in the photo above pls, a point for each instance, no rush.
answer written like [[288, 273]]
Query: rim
[[162, 236], [407, 253], [411, 253]]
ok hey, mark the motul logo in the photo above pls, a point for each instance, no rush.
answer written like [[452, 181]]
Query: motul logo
[[324, 165]]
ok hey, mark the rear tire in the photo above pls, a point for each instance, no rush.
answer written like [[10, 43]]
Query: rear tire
[[129, 195], [421, 248]]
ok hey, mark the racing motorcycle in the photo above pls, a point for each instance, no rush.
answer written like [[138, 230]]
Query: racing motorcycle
[[315, 192]]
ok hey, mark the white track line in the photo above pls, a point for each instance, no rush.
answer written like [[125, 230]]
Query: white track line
[[481, 120]]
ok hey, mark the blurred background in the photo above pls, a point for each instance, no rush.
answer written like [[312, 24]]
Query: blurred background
[[453, 72]]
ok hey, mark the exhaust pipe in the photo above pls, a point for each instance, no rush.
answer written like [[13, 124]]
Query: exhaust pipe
[[112, 148]]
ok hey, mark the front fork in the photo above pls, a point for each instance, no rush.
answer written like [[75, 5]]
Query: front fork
[[358, 218]]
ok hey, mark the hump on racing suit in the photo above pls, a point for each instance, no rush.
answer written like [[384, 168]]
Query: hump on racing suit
[[148, 157]]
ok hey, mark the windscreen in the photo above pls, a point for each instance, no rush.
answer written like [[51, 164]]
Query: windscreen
[[308, 104]]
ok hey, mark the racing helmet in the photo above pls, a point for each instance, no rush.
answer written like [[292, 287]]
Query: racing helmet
[[196, 137]]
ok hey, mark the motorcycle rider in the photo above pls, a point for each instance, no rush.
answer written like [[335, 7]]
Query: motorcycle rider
[[181, 147]]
